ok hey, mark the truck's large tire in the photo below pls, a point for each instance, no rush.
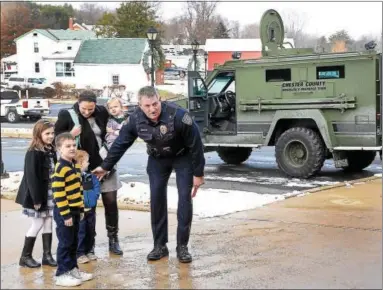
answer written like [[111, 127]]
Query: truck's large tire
[[300, 152], [359, 160], [12, 116], [231, 155]]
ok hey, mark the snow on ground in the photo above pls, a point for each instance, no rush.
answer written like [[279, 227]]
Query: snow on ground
[[175, 87], [288, 182], [378, 174], [13, 182], [207, 203]]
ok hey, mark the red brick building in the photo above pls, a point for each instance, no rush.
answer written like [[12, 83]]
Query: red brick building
[[221, 50]]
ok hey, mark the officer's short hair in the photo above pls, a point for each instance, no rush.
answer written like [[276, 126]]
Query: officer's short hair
[[148, 91]]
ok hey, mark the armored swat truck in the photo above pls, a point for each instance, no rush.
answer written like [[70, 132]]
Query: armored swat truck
[[310, 106]]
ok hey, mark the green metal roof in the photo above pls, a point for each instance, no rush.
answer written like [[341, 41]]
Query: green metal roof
[[61, 34], [111, 51]]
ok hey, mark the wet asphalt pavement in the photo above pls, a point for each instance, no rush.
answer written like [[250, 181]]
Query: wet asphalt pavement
[[258, 174], [311, 242]]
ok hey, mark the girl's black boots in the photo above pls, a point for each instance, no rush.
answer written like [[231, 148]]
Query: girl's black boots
[[47, 255], [26, 259]]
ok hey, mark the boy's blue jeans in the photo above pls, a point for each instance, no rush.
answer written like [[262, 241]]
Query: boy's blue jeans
[[67, 242], [87, 233]]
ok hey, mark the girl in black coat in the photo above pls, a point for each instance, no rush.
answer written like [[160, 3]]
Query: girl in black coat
[[35, 194]]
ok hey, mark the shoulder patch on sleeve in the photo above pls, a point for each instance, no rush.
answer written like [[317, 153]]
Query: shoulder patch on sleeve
[[187, 119]]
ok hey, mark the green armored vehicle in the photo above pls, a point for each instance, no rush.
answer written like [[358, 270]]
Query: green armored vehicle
[[310, 106]]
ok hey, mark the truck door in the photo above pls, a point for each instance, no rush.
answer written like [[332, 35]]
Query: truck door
[[378, 77], [197, 103]]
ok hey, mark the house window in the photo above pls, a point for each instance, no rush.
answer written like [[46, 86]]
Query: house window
[[115, 79], [37, 67], [35, 34], [278, 75], [36, 47], [64, 69], [69, 47], [330, 72]]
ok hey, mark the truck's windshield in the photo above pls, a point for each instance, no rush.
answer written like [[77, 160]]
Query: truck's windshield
[[218, 84]]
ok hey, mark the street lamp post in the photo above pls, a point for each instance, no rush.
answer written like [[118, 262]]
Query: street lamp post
[[152, 35], [195, 47], [205, 57]]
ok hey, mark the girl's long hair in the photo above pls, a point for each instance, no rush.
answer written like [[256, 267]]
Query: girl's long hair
[[37, 141]]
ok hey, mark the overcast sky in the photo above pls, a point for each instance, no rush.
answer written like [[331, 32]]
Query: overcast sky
[[321, 18]]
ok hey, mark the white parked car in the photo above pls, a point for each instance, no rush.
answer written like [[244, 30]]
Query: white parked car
[[22, 83]]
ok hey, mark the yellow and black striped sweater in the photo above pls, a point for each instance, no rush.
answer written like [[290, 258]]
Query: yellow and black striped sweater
[[67, 188]]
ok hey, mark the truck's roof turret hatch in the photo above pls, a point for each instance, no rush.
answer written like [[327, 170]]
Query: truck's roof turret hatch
[[272, 33]]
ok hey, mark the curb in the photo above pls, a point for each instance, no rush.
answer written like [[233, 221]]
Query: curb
[[136, 207], [340, 184], [16, 133], [26, 133], [120, 205], [58, 101]]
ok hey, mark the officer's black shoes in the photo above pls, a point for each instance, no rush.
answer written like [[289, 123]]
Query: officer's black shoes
[[114, 246], [158, 252], [183, 254]]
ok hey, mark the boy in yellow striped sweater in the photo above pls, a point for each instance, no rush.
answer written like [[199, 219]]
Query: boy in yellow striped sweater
[[67, 212]]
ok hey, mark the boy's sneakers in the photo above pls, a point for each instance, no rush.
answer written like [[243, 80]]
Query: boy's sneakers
[[83, 276], [91, 256], [67, 280], [83, 259]]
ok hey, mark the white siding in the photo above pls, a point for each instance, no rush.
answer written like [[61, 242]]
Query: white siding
[[62, 45], [26, 57], [50, 71], [98, 76]]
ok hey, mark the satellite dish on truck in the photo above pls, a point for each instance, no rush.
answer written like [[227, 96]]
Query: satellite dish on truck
[[272, 33], [272, 30]]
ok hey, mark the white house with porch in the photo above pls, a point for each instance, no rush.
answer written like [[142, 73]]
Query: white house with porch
[[49, 53], [8, 66]]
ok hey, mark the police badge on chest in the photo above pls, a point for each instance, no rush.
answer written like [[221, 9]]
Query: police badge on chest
[[163, 130]]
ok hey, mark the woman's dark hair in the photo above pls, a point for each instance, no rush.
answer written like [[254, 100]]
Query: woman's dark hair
[[87, 96]]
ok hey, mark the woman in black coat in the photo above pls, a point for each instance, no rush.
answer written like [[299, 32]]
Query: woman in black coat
[[91, 131]]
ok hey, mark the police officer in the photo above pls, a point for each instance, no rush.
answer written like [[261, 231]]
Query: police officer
[[173, 142]]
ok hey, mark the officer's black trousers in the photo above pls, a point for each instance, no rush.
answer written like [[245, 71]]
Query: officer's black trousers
[[159, 170]]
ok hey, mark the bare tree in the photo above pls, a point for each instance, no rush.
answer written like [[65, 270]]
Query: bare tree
[[250, 31], [175, 31], [90, 13], [235, 29], [294, 24], [199, 19]]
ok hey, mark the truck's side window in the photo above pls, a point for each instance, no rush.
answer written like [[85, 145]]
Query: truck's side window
[[278, 75], [330, 72], [198, 88]]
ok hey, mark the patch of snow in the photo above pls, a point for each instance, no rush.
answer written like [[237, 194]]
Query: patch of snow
[[207, 203], [378, 174], [225, 178], [13, 182], [126, 175], [294, 182]]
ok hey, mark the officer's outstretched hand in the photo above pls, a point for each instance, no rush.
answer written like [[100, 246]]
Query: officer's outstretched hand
[[197, 182], [99, 172]]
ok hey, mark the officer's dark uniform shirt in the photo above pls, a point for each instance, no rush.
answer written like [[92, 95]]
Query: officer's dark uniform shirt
[[174, 134]]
